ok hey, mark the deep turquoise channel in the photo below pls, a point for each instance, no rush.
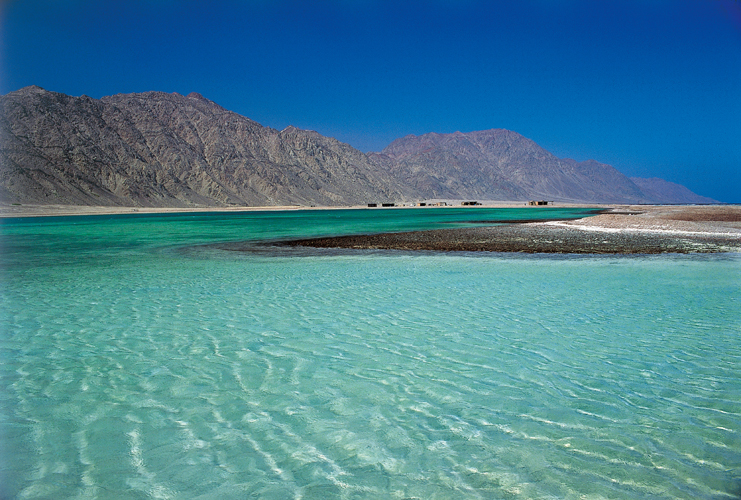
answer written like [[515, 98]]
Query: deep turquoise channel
[[139, 360]]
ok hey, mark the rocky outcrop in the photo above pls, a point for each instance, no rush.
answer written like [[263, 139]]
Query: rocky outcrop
[[169, 150]]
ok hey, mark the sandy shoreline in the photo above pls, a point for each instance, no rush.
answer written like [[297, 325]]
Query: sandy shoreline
[[623, 230], [11, 211], [7, 211]]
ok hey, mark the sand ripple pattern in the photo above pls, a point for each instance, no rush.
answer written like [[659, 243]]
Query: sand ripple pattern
[[373, 376]]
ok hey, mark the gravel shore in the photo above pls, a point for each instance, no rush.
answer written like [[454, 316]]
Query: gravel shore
[[624, 230]]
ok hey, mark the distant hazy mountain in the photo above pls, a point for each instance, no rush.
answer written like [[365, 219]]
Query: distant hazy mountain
[[157, 149], [661, 191], [500, 165]]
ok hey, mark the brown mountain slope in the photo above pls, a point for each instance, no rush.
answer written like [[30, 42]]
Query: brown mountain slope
[[157, 149], [500, 164]]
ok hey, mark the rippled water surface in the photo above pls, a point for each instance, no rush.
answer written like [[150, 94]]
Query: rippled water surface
[[138, 360]]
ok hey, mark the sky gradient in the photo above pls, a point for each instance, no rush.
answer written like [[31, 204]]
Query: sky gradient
[[651, 87]]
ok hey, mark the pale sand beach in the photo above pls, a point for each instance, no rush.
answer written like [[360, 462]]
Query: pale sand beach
[[679, 220], [67, 210], [24, 210]]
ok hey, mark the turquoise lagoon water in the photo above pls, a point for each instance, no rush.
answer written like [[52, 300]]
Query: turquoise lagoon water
[[139, 360]]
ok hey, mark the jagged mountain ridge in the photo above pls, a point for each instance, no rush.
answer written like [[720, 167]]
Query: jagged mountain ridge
[[159, 149]]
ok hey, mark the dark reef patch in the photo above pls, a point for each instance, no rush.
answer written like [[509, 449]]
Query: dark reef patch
[[528, 238]]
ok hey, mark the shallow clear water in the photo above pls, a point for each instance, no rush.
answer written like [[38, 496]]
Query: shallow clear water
[[139, 361]]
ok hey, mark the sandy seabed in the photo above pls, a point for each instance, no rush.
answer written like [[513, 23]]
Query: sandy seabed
[[620, 229]]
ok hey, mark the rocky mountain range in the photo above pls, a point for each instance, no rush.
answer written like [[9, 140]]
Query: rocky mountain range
[[169, 150], [500, 165]]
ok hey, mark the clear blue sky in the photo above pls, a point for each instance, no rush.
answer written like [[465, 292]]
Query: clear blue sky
[[652, 87]]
